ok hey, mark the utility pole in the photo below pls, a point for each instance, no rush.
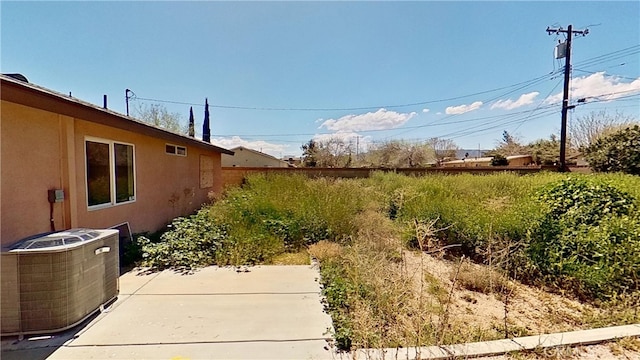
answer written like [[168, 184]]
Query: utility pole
[[565, 96]]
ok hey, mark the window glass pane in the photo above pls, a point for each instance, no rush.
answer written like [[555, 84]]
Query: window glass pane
[[181, 150], [98, 174], [124, 173], [170, 149]]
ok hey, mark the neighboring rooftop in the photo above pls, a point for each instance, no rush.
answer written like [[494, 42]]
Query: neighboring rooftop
[[256, 159]]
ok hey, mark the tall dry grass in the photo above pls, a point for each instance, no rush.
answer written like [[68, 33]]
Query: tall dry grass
[[361, 232]]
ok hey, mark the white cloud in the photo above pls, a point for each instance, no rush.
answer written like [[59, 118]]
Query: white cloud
[[598, 86], [259, 145], [461, 109], [524, 99], [380, 120], [425, 110]]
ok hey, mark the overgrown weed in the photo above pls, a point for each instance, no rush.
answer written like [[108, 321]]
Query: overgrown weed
[[360, 230], [482, 279]]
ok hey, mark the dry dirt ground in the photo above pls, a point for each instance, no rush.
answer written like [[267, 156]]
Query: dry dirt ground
[[527, 310], [495, 302]]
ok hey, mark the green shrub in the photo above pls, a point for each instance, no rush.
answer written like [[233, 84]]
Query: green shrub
[[616, 152], [567, 230], [188, 242], [583, 200], [132, 251], [337, 289], [499, 160], [298, 233], [588, 239]]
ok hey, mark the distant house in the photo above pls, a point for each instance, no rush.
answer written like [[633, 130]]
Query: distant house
[[107, 168], [520, 160], [471, 162], [515, 160], [470, 153], [578, 159], [293, 161], [245, 157]]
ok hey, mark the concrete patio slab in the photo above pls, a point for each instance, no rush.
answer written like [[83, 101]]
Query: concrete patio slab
[[170, 319], [312, 350], [133, 281], [262, 312], [216, 280]]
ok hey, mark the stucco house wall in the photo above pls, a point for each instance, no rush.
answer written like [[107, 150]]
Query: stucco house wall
[[474, 162], [245, 157], [520, 160], [43, 141], [30, 164]]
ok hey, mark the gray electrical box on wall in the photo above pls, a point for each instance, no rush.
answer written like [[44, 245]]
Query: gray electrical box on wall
[[56, 195]]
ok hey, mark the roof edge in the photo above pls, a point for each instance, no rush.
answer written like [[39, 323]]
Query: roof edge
[[120, 120]]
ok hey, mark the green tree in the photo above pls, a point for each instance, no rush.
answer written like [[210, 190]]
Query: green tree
[[508, 145], [499, 160], [158, 115], [400, 154], [545, 151], [616, 152], [333, 152], [309, 151]]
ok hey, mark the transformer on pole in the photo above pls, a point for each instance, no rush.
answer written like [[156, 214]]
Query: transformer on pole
[[565, 51]]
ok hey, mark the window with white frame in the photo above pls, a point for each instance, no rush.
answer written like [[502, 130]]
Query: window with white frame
[[175, 150], [110, 173]]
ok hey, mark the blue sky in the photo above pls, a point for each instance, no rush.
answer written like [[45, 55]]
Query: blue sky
[[280, 73]]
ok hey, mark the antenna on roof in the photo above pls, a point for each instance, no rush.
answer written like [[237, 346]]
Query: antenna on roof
[[127, 97]]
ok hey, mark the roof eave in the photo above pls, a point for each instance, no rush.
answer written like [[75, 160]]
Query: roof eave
[[28, 94]]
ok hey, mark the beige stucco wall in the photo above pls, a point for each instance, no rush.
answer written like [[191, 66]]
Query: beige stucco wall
[[466, 164], [246, 158], [520, 161], [167, 186], [43, 150], [30, 165]]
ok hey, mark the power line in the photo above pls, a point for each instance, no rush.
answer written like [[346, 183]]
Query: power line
[[501, 125], [402, 128], [585, 63], [546, 109], [632, 50], [503, 119], [527, 83], [531, 83], [539, 104], [510, 119], [595, 72]]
